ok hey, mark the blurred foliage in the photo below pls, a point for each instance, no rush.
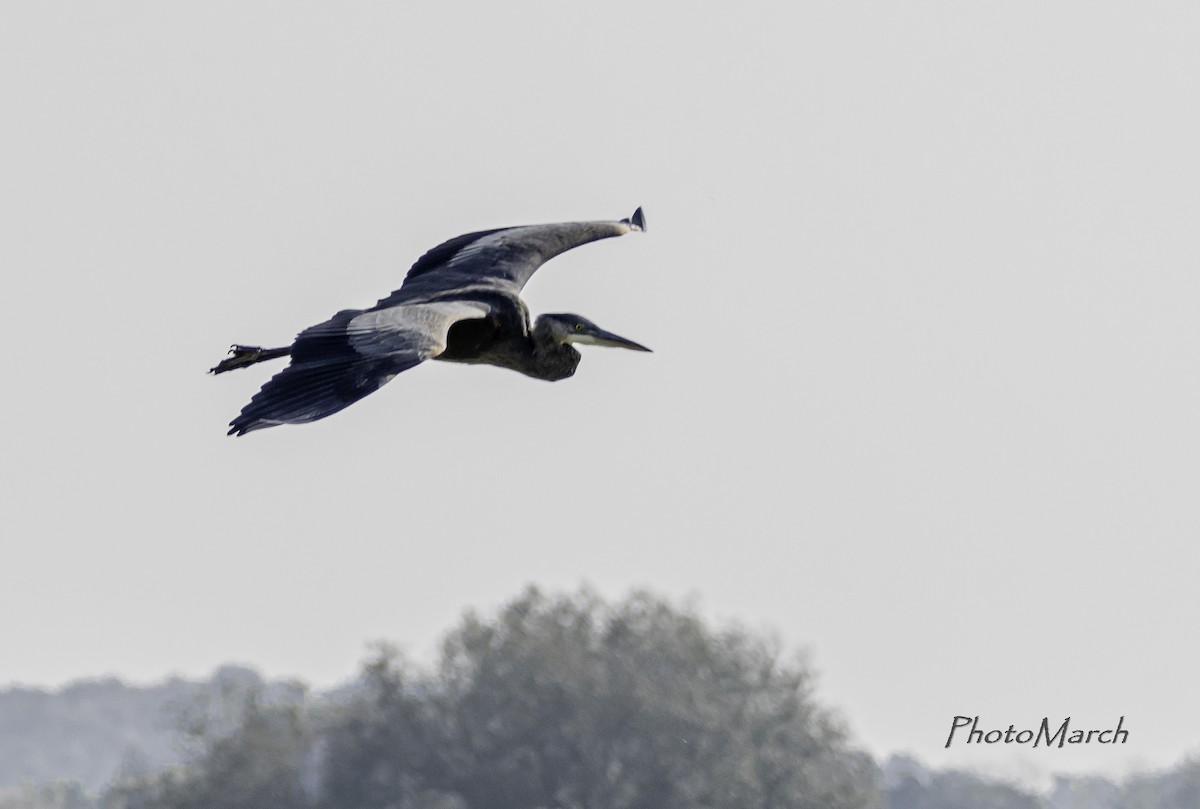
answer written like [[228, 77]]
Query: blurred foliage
[[557, 702], [908, 785], [53, 795], [1175, 789], [89, 729], [572, 702], [956, 790], [567, 701], [260, 762]]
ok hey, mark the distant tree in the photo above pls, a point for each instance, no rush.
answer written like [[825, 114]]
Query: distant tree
[[381, 745], [53, 795], [249, 754], [1178, 788], [909, 785], [566, 702], [88, 730], [1083, 792], [958, 790], [82, 732], [571, 702]]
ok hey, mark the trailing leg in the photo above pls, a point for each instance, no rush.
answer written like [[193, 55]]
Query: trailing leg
[[242, 356]]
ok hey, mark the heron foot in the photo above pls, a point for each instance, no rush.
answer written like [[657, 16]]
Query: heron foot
[[239, 357]]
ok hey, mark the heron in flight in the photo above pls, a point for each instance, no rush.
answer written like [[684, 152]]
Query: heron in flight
[[460, 303]]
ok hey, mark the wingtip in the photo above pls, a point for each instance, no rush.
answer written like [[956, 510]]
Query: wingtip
[[637, 221], [239, 426]]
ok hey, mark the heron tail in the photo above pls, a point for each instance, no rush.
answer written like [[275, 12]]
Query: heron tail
[[242, 356]]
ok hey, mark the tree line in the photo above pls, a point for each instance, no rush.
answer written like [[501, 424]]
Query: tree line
[[562, 701]]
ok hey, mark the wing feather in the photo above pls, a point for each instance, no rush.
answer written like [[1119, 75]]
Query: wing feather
[[501, 260], [348, 357]]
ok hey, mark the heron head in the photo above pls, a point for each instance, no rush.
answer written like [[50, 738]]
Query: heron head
[[567, 328]]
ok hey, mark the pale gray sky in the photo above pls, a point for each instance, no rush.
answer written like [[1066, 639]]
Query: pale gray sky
[[921, 281]]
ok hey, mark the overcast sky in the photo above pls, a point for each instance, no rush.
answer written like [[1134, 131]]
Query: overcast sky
[[920, 279]]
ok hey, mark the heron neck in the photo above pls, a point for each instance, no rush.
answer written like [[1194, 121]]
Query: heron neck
[[552, 361]]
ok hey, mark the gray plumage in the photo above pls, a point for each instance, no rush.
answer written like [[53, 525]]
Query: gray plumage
[[460, 302]]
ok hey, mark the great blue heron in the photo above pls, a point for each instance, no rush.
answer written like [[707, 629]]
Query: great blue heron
[[460, 302]]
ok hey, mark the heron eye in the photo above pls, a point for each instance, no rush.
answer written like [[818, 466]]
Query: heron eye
[[578, 327]]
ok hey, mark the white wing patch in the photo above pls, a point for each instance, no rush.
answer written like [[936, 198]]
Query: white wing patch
[[416, 327]]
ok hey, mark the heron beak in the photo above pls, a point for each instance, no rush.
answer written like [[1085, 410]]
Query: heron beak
[[600, 337]]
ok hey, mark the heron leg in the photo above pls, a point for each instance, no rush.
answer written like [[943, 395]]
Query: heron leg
[[242, 356]]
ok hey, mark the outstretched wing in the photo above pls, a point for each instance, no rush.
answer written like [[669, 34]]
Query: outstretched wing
[[498, 261], [353, 354]]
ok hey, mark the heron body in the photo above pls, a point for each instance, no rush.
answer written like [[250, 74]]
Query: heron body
[[460, 302]]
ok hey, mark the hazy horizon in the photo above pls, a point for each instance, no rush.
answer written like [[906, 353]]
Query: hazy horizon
[[1020, 765]]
